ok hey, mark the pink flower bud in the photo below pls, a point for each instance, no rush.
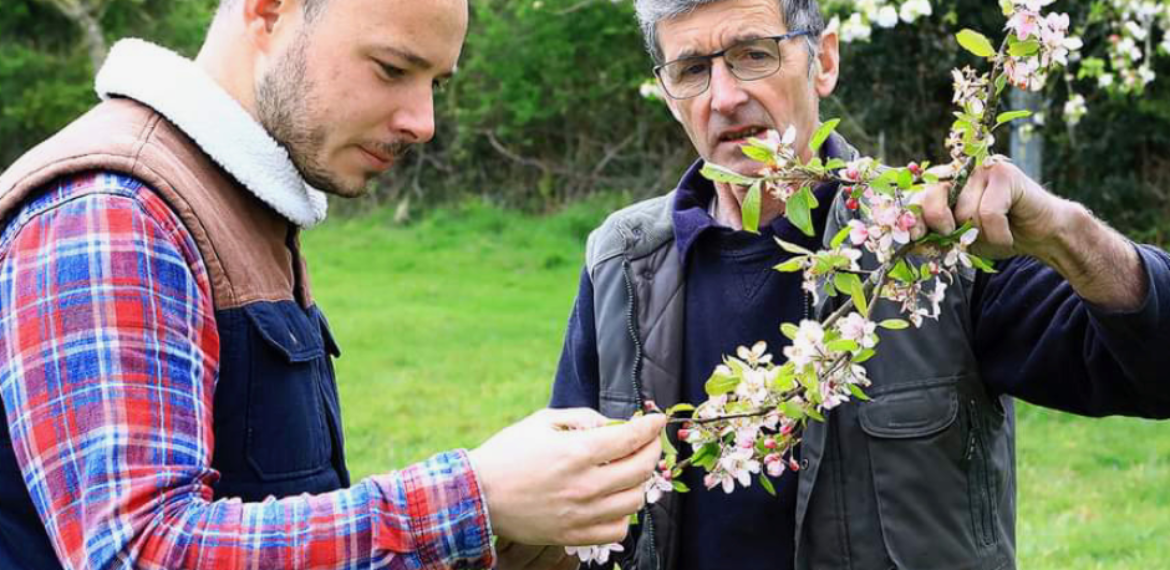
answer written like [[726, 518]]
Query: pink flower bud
[[852, 204], [786, 429], [770, 443], [915, 169], [852, 174], [662, 465], [668, 475], [683, 433], [793, 465]]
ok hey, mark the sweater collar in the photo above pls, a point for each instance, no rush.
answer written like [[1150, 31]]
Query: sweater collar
[[694, 194], [179, 90]]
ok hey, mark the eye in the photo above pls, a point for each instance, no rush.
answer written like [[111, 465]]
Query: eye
[[391, 72], [692, 69]]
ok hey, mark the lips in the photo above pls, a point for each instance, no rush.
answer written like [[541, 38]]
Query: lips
[[381, 161], [741, 133]]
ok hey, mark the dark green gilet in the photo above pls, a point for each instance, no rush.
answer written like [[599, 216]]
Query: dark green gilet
[[920, 478]]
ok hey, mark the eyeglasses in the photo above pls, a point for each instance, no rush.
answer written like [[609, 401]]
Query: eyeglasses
[[748, 60]]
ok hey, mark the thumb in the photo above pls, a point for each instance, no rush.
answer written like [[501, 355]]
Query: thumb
[[614, 442]]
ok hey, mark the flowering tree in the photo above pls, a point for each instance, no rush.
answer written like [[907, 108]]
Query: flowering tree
[[757, 409]]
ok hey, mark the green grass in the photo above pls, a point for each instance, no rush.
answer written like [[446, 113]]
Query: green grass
[[451, 329]]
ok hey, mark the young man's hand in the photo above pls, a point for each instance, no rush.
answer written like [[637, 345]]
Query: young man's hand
[[564, 477]]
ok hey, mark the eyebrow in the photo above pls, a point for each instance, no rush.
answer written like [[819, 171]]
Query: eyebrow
[[412, 58], [692, 52]]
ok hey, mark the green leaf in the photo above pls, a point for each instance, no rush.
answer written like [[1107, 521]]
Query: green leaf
[[680, 486], [894, 324], [790, 410], [719, 385], [843, 345], [767, 485], [1000, 83], [792, 265], [718, 173], [840, 237], [864, 355], [884, 183], [751, 210], [975, 43], [1007, 7], [822, 134], [1024, 48], [982, 264], [814, 414], [633, 522], [667, 447], [789, 330], [835, 164], [857, 292], [684, 407], [905, 178], [706, 456], [902, 272], [757, 154], [792, 248], [857, 393], [798, 210], [1011, 116]]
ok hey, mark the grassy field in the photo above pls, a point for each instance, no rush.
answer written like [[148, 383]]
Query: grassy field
[[451, 329]]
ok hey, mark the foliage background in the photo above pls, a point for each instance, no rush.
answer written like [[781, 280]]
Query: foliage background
[[546, 108]]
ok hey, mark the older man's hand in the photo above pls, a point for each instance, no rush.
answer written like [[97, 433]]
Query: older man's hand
[[1014, 214]]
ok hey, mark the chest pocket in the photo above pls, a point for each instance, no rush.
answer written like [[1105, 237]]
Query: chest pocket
[[289, 392]]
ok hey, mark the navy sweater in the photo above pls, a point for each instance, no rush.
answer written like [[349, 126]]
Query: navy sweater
[[1034, 338]]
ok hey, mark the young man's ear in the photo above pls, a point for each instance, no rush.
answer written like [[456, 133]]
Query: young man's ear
[[828, 66], [266, 19]]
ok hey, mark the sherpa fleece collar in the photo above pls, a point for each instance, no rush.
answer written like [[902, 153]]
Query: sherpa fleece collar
[[179, 90]]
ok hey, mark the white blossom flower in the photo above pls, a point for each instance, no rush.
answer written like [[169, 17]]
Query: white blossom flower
[[887, 17], [914, 9], [598, 554], [656, 486], [1075, 109], [859, 329]]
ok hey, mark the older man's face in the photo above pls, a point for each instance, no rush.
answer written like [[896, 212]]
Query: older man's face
[[354, 88], [719, 120]]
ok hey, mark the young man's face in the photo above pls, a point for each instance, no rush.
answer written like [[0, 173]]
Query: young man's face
[[353, 87], [718, 120]]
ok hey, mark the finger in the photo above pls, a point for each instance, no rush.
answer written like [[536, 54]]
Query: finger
[[628, 472], [936, 211], [607, 532], [615, 442], [967, 207], [620, 504], [573, 418], [993, 215]]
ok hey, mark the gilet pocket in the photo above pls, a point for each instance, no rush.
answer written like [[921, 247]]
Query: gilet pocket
[[916, 450], [286, 429]]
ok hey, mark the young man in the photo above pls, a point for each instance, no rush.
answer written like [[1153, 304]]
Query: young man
[[167, 385], [922, 477]]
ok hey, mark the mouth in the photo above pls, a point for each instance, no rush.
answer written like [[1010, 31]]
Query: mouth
[[380, 161], [740, 135]]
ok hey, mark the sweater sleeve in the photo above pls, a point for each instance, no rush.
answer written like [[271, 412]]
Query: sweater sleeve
[[1037, 340], [108, 361], [578, 382]]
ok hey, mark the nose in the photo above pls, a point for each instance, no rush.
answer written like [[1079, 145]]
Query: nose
[[726, 92], [414, 121]]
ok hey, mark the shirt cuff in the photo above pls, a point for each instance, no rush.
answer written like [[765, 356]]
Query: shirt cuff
[[440, 514]]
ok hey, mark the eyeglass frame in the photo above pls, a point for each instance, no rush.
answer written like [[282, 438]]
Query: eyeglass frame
[[710, 58]]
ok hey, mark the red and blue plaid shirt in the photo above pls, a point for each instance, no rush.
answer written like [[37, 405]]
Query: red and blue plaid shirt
[[108, 364]]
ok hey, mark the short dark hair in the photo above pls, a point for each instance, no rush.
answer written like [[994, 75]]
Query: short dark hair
[[312, 8]]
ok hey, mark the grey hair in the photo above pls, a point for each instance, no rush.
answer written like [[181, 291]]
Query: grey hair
[[798, 15]]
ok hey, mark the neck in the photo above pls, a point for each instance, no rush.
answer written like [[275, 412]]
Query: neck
[[729, 206], [222, 59]]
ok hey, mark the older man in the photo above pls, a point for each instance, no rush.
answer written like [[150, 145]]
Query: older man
[[166, 378], [923, 476]]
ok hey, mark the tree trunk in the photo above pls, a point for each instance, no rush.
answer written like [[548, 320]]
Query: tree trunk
[[1027, 143], [86, 15], [94, 40]]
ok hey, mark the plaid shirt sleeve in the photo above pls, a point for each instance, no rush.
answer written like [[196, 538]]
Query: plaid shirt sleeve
[[108, 360]]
